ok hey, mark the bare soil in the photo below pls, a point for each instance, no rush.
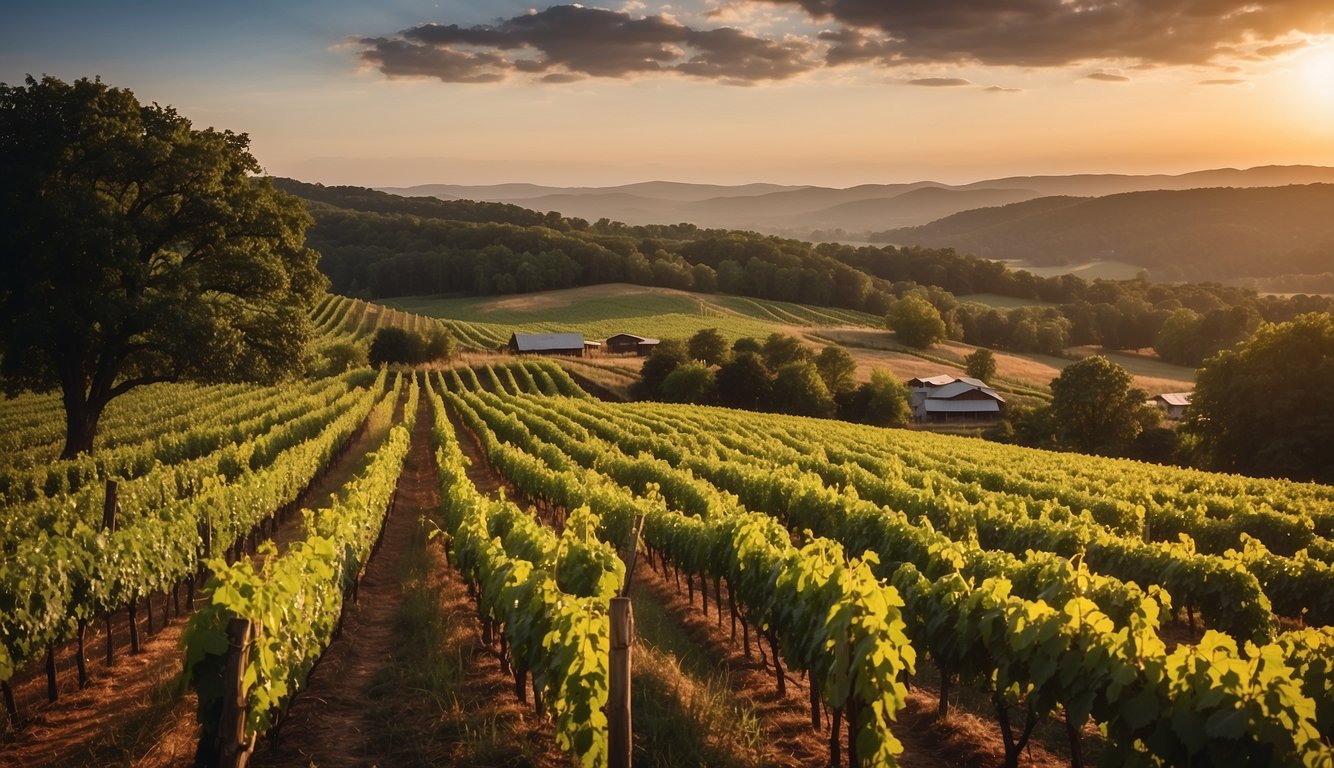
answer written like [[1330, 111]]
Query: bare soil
[[327, 724]]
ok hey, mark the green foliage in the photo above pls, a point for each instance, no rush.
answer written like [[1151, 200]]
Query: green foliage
[[1039, 633], [1188, 338], [980, 364], [228, 475], [708, 346], [1094, 407], [745, 382], [1263, 408], [837, 369], [665, 358], [692, 382], [140, 249], [916, 322], [799, 389], [780, 349], [339, 357], [747, 344], [295, 601], [886, 401], [392, 345]]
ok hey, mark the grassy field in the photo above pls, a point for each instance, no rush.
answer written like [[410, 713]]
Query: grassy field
[[1092, 270], [600, 311], [879, 349]]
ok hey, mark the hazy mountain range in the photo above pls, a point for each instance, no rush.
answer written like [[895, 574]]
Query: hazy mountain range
[[1216, 233], [806, 210]]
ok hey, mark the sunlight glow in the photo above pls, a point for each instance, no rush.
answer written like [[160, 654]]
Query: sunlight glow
[[1319, 71]]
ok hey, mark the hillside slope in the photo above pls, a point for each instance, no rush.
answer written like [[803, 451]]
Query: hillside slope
[[1198, 234]]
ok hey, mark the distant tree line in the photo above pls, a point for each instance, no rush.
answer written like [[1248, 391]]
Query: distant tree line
[[374, 244], [779, 375]]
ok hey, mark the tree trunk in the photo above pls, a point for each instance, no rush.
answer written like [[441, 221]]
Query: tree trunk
[[778, 662], [80, 424], [1076, 750], [836, 740]]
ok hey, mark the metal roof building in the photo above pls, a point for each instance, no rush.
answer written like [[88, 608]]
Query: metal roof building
[[550, 344]]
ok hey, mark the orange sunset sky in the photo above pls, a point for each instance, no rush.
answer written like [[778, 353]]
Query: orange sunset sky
[[830, 92]]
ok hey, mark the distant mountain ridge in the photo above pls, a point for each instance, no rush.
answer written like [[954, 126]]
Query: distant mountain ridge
[[1220, 233], [802, 211]]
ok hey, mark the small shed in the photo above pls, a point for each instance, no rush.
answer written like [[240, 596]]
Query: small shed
[[1173, 404], [625, 343], [571, 344]]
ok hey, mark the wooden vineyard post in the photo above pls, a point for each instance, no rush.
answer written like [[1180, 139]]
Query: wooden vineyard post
[[230, 748], [618, 686], [619, 741], [109, 506]]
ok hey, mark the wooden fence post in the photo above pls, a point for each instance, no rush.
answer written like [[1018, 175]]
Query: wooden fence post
[[232, 747], [109, 507], [618, 686]]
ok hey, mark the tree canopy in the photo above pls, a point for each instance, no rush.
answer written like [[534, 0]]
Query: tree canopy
[[396, 345], [980, 364], [916, 322], [709, 346], [1094, 407], [1265, 407], [139, 249]]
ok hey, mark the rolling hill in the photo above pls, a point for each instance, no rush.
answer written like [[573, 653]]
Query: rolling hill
[[1197, 234], [799, 211]]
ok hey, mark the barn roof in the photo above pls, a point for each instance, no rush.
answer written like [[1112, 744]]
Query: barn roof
[[932, 381], [960, 387], [541, 342], [1174, 398]]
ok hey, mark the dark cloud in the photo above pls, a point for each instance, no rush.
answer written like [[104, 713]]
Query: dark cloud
[[1107, 77], [1002, 89], [569, 42], [940, 82], [1044, 33], [398, 58], [1223, 81]]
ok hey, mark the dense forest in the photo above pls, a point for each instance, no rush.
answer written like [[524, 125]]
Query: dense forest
[[375, 244], [1194, 234]]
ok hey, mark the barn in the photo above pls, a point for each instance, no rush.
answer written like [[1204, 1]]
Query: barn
[[947, 398], [1173, 404], [625, 343], [571, 344]]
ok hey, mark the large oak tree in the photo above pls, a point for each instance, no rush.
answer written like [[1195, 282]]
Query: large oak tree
[[138, 249], [1264, 408]]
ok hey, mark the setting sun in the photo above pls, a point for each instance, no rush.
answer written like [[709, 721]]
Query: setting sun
[[1319, 72]]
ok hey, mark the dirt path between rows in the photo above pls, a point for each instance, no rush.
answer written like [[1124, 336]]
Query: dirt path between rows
[[135, 712], [326, 723], [378, 696]]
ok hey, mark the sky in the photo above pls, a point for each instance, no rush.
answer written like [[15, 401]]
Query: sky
[[827, 92]]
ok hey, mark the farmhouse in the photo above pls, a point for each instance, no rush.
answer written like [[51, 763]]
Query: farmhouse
[[623, 343], [572, 344], [947, 398], [1173, 404]]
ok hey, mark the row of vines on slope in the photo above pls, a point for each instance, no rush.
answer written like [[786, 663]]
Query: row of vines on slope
[[1033, 654]]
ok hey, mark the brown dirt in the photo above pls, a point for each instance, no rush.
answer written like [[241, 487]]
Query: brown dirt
[[327, 722], [132, 712], [339, 718]]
